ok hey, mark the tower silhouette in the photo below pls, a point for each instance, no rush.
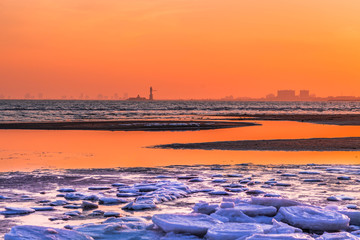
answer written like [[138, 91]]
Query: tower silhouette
[[151, 96]]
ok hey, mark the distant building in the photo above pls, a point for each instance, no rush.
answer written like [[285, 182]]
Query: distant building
[[304, 94], [270, 96], [151, 96], [286, 94], [138, 98]]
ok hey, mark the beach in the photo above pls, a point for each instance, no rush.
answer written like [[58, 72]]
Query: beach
[[104, 186], [311, 144]]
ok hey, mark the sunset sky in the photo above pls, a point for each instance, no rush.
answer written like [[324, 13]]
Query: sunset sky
[[183, 48]]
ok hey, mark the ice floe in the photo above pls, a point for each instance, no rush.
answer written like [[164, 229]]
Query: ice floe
[[195, 223], [232, 231], [17, 211], [293, 236], [313, 218], [338, 236], [40, 233]]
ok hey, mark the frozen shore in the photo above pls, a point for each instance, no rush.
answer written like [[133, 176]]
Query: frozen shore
[[183, 202]]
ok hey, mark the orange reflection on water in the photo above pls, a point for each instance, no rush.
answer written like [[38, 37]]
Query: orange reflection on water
[[32, 149]]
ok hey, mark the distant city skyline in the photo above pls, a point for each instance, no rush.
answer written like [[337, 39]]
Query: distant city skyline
[[281, 95]]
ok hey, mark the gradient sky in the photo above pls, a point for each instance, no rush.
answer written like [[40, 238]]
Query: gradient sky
[[183, 48]]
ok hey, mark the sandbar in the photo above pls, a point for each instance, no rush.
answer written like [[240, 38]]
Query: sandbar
[[311, 144], [137, 125]]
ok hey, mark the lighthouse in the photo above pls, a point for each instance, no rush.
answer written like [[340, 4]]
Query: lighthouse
[[151, 96]]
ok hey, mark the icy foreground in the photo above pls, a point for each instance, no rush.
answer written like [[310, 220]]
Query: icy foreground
[[238, 206], [233, 219]]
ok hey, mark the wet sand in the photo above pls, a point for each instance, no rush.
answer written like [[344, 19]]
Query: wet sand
[[331, 119], [144, 125], [311, 144], [228, 121]]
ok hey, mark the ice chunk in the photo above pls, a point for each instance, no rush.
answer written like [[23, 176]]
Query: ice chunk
[[196, 224], [17, 211], [272, 195], [309, 172], [123, 194], [273, 201], [256, 210], [72, 213], [75, 206], [165, 191], [353, 215], [254, 192], [196, 180], [147, 188], [283, 184], [88, 205], [205, 208], [178, 236], [163, 176], [117, 230], [111, 214], [219, 180], [73, 196], [27, 232], [233, 215], [333, 199], [58, 203], [352, 206], [313, 218], [43, 208], [292, 236], [279, 227], [313, 180], [219, 193], [136, 206], [338, 236], [111, 201], [234, 175], [289, 175], [217, 175], [263, 220], [232, 231], [119, 185], [339, 198], [227, 205], [66, 190], [344, 178]]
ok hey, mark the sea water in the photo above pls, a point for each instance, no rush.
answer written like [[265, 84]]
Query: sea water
[[80, 110]]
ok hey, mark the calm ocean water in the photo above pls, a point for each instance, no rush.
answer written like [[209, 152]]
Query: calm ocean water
[[67, 110]]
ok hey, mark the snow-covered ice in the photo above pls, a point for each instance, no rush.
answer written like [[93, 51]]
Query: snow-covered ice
[[232, 231], [293, 236], [26, 232], [313, 218], [195, 223]]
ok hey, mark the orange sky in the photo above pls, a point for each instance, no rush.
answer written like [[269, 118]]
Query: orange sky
[[183, 48]]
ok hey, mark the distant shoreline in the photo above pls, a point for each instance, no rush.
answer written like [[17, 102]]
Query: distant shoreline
[[219, 121], [311, 144], [143, 125]]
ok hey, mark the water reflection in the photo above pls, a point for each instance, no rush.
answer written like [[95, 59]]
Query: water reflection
[[32, 149]]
